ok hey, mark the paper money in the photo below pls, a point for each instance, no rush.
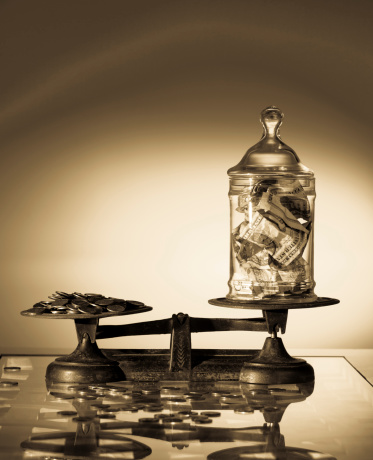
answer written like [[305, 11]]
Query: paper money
[[283, 245], [271, 203], [269, 243]]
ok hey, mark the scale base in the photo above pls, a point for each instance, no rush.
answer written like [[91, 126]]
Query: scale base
[[273, 365], [87, 364]]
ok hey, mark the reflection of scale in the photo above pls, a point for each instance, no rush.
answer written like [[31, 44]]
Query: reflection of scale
[[272, 196], [101, 430]]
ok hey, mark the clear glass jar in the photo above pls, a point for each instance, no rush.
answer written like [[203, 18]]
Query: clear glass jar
[[272, 196]]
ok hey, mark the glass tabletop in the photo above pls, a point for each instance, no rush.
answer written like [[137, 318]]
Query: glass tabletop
[[330, 419]]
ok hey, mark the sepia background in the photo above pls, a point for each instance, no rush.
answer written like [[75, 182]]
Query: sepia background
[[118, 122]]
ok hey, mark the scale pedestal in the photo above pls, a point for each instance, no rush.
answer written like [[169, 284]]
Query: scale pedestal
[[273, 364], [87, 363]]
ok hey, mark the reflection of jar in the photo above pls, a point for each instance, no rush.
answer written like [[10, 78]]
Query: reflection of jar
[[272, 214]]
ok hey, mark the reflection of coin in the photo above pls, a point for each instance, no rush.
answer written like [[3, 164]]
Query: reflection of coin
[[67, 413], [148, 420], [110, 416], [186, 413], [218, 394], [244, 410], [160, 416], [128, 408], [178, 401], [83, 419], [150, 391], [172, 420], [201, 419], [153, 408], [211, 413], [8, 383]]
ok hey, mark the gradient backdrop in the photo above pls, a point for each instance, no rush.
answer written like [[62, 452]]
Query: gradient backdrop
[[118, 122]]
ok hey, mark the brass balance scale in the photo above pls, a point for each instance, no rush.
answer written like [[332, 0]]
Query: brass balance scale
[[272, 213]]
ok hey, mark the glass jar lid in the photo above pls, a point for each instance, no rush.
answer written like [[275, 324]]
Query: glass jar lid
[[270, 155]]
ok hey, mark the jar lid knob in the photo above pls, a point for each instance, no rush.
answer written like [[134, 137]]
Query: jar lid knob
[[271, 118]]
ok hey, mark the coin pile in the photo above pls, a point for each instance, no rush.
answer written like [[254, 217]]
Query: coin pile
[[62, 303]]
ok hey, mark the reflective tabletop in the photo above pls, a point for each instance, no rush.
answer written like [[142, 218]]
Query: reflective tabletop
[[331, 418]]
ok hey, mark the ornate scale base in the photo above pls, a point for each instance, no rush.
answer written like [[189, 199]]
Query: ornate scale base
[[87, 363], [271, 365]]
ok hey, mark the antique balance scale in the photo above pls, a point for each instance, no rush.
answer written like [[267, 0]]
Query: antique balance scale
[[272, 214]]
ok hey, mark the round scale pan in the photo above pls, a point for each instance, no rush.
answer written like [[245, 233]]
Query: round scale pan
[[130, 310], [272, 304]]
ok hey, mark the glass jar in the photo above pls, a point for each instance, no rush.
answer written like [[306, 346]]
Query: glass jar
[[272, 196]]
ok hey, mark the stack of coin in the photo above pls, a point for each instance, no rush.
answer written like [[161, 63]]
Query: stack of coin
[[62, 303]]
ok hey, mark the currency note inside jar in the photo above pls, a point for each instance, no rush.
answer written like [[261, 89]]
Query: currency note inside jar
[[269, 243]]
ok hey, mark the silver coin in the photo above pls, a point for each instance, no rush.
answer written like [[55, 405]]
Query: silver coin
[[64, 294], [45, 303], [34, 311], [60, 302], [134, 303], [79, 302], [90, 309], [39, 305], [116, 308], [118, 301], [105, 302]]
